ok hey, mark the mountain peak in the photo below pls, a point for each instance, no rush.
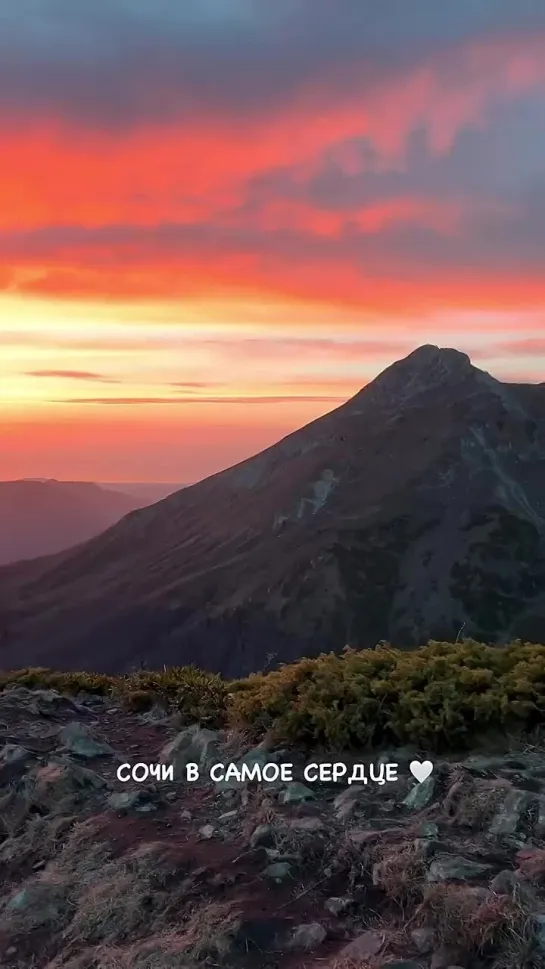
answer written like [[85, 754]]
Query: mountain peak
[[430, 355], [425, 369]]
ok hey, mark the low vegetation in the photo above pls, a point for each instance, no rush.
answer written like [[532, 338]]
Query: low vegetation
[[439, 697]]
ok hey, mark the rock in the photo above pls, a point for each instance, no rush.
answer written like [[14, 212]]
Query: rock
[[194, 745], [278, 872], [538, 932], [421, 794], [43, 902], [63, 786], [259, 935], [447, 868], [48, 702], [207, 832], [14, 753], [307, 937], [539, 826], [76, 738], [481, 764], [262, 835], [345, 802], [510, 816], [228, 816], [423, 939], [308, 824], [185, 815], [93, 701], [295, 793], [338, 906], [363, 836], [142, 801], [14, 760], [257, 757], [364, 947], [447, 957], [504, 883], [428, 829]]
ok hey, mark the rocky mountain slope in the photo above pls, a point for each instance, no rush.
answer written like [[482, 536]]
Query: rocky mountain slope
[[100, 873], [414, 511], [41, 517]]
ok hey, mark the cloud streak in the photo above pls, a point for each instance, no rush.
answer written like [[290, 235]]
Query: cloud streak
[[73, 375]]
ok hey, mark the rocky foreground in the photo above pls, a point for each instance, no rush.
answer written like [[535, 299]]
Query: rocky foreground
[[100, 874]]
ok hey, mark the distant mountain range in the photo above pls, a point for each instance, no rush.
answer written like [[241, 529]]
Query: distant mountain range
[[40, 516], [147, 492], [414, 511]]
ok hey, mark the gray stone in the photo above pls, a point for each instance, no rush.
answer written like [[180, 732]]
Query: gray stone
[[505, 882], [207, 831], [446, 868], [257, 757], [307, 937], [538, 927], [278, 872], [47, 702], [510, 815], [228, 816], [428, 829], [539, 827], [447, 956], [262, 835], [296, 793], [14, 753], [43, 902], [481, 764], [345, 802], [423, 939], [421, 794], [310, 824], [59, 786], [338, 906], [364, 947], [76, 738], [142, 801], [14, 760], [194, 745]]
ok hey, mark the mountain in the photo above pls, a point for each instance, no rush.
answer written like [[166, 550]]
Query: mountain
[[40, 517], [147, 492], [416, 510]]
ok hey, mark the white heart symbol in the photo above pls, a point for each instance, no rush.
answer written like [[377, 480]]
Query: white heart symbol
[[421, 770]]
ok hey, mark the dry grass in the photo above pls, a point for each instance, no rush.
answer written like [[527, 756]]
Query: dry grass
[[309, 847], [484, 920], [40, 839], [210, 930], [473, 801], [165, 951], [399, 871], [92, 897]]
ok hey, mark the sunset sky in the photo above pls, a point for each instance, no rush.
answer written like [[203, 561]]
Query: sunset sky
[[219, 219]]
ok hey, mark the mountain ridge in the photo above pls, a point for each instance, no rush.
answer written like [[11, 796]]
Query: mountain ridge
[[40, 516], [412, 511]]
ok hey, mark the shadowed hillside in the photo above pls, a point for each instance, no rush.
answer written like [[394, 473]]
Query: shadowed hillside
[[416, 510]]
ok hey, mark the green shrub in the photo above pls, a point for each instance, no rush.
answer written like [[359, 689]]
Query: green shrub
[[442, 696]]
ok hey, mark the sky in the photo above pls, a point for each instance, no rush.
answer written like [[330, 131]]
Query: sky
[[219, 219]]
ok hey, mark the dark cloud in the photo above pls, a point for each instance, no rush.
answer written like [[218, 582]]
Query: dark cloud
[[507, 238], [121, 63]]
